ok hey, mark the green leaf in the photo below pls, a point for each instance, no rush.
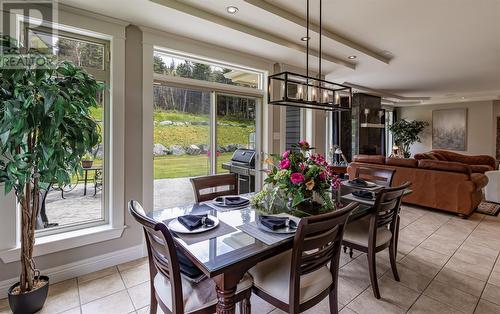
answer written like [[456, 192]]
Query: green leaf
[[4, 137], [297, 199]]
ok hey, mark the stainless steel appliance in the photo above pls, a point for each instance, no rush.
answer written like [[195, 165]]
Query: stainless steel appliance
[[243, 164]]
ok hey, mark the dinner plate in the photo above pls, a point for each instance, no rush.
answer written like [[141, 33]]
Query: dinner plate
[[222, 203], [176, 226], [286, 230]]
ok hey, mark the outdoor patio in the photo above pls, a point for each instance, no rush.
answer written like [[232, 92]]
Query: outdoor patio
[[77, 207]]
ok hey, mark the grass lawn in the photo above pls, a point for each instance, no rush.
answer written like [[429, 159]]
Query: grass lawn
[[166, 167]]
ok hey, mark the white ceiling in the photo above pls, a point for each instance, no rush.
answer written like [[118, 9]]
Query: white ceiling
[[444, 49]]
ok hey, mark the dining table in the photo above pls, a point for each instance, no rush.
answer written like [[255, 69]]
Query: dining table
[[227, 252]]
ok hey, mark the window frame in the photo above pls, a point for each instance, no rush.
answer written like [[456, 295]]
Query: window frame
[[102, 75]]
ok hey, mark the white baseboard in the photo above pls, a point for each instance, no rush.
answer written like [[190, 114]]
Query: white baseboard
[[86, 266]]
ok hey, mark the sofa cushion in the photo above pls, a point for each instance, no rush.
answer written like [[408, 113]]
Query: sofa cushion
[[444, 166], [421, 156], [401, 162], [466, 159], [480, 168], [370, 159]]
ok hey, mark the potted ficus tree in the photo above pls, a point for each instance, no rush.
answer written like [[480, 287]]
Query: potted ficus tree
[[45, 129], [406, 133]]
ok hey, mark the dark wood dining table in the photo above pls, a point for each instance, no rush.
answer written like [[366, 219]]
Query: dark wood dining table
[[226, 258]]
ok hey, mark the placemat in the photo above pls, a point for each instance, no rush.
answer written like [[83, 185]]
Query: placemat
[[267, 237], [220, 230]]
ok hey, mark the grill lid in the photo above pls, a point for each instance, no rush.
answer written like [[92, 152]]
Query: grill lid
[[244, 156]]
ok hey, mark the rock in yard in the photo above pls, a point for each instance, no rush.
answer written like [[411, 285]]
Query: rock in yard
[[177, 150], [166, 122], [159, 150], [193, 150]]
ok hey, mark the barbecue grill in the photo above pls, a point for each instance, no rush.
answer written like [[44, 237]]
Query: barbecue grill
[[243, 164]]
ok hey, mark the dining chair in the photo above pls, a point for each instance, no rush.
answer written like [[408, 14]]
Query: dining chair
[[300, 278], [169, 288], [382, 177], [377, 231], [206, 188]]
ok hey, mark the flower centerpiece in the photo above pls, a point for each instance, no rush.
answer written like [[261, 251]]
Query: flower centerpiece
[[300, 177]]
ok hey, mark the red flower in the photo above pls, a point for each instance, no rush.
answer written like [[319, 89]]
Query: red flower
[[297, 178], [304, 144], [284, 164], [286, 153], [323, 175]]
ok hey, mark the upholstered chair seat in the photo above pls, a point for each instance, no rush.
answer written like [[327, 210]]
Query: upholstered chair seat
[[272, 276], [196, 296], [357, 232]]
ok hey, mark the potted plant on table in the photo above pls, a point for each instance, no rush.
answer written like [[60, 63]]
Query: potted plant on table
[[45, 129], [406, 133], [298, 179]]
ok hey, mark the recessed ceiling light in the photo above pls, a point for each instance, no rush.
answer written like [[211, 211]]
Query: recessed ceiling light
[[305, 38], [232, 9], [463, 97], [352, 57]]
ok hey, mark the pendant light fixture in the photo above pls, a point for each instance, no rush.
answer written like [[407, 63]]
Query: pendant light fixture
[[304, 91]]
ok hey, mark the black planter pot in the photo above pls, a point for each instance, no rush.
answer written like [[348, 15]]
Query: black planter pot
[[30, 302]]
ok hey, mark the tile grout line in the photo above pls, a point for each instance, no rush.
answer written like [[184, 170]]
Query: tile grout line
[[433, 278], [347, 305], [126, 289], [487, 280]]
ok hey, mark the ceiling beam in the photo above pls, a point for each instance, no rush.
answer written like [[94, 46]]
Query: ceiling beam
[[384, 94], [271, 8], [188, 9]]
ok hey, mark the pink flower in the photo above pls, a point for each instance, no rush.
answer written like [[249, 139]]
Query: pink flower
[[304, 144], [285, 164], [286, 153], [302, 167], [323, 175], [297, 178]]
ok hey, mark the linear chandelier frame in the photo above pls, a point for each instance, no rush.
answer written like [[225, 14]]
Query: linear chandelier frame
[[303, 91]]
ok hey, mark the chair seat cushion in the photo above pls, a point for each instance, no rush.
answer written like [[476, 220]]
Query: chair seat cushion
[[272, 276], [357, 232], [195, 295]]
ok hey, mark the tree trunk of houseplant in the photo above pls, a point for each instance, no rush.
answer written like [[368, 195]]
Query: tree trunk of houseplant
[[23, 296]]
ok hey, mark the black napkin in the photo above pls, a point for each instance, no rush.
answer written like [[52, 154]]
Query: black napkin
[[274, 223], [363, 194], [193, 222], [236, 201], [359, 182]]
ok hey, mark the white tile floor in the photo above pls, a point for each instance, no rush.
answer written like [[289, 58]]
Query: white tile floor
[[446, 264]]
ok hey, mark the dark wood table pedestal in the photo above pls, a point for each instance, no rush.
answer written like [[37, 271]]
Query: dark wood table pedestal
[[226, 290]]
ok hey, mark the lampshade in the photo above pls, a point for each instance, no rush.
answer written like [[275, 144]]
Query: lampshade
[[338, 151]]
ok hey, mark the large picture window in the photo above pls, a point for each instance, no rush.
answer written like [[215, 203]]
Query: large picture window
[[83, 202]]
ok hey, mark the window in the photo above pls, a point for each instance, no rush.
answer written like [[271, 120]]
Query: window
[[172, 65], [198, 126], [83, 202]]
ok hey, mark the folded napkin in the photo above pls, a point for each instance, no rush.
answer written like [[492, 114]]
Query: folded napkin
[[231, 201], [275, 223], [359, 182], [363, 194], [236, 201], [193, 222]]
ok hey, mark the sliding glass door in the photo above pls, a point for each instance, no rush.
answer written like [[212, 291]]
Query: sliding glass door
[[196, 132]]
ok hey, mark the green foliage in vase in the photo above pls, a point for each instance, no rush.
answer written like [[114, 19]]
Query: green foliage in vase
[[406, 133], [46, 127]]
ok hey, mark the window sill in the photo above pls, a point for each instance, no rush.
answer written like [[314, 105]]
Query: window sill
[[66, 240]]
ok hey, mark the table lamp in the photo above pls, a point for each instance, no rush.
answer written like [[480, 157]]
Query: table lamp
[[338, 151]]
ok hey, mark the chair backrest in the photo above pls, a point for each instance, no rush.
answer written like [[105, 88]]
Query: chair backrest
[[379, 176], [207, 188], [317, 242], [386, 211], [161, 253]]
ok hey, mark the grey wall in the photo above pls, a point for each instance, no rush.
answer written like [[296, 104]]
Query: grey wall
[[480, 125]]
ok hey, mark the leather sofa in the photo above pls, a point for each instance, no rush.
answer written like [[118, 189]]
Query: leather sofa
[[445, 185], [478, 163]]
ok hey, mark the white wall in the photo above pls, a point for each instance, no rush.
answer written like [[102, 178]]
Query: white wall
[[480, 125]]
